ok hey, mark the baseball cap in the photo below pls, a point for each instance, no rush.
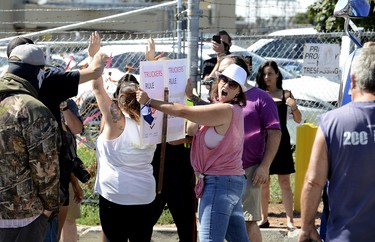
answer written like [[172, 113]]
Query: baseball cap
[[29, 54], [16, 42], [236, 73]]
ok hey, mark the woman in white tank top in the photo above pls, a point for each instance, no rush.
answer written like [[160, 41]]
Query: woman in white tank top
[[124, 180]]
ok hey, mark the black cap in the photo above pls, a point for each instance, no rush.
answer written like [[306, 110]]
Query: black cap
[[16, 42]]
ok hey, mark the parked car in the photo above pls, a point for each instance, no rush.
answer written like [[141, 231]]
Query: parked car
[[286, 47], [314, 97], [290, 46]]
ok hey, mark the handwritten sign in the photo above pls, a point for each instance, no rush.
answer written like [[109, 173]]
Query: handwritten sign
[[321, 60], [155, 76]]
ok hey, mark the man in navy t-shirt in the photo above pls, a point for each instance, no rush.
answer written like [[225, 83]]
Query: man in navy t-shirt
[[343, 154]]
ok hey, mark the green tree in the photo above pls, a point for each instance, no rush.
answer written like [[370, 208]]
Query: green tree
[[324, 21], [240, 18], [303, 19]]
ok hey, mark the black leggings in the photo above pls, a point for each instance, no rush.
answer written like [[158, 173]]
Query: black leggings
[[122, 222], [178, 190]]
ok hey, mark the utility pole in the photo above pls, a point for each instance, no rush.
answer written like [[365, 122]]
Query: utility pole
[[193, 39], [179, 27]]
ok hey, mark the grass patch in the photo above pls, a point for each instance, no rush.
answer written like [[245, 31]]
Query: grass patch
[[165, 218], [90, 206], [89, 215]]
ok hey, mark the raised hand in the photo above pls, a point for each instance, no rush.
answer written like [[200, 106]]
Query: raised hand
[[150, 49], [94, 44], [218, 48]]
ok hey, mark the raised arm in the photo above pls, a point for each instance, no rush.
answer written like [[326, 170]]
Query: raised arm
[[112, 115], [97, 59]]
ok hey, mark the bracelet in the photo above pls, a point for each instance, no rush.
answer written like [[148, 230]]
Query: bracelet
[[148, 102], [294, 109], [65, 108]]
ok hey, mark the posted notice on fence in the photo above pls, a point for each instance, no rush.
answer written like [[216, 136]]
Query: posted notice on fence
[[321, 60], [155, 77]]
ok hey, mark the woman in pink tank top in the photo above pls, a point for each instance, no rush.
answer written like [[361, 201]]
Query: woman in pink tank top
[[216, 154]]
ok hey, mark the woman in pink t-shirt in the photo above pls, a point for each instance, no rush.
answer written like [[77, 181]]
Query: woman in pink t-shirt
[[216, 154]]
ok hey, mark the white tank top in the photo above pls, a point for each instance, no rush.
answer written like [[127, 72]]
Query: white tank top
[[124, 173]]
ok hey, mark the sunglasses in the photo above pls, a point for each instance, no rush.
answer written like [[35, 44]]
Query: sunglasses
[[226, 80]]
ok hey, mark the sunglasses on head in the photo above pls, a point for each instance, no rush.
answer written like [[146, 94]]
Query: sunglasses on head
[[232, 84]]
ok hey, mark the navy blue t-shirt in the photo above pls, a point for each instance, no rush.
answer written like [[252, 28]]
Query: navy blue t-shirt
[[350, 137]]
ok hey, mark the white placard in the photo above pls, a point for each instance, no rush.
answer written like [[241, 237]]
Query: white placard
[[321, 60], [155, 76]]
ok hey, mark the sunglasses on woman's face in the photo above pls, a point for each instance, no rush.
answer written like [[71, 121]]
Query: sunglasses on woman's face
[[232, 84]]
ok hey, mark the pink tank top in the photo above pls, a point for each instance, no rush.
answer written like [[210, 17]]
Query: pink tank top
[[225, 158]]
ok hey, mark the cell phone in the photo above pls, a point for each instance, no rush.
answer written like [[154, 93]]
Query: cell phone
[[217, 39]]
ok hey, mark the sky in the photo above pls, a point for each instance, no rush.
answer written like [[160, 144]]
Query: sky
[[269, 8]]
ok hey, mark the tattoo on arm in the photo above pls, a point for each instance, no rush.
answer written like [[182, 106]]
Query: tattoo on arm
[[96, 86], [115, 112]]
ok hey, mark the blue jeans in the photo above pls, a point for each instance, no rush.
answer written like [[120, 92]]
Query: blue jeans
[[52, 230], [220, 209]]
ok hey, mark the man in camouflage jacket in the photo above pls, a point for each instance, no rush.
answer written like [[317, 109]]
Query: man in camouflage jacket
[[29, 142]]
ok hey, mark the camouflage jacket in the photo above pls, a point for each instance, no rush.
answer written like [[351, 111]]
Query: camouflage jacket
[[29, 142]]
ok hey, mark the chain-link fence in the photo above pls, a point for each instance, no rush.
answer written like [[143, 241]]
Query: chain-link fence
[[314, 95]]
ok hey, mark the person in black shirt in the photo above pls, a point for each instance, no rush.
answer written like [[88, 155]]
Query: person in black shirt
[[56, 86]]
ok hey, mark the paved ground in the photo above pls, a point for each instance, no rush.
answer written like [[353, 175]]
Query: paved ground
[[93, 234], [169, 234], [276, 233]]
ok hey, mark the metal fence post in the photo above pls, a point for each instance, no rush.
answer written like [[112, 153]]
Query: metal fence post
[[304, 141], [193, 38]]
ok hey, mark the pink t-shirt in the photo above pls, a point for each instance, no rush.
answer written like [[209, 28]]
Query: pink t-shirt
[[224, 159]]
